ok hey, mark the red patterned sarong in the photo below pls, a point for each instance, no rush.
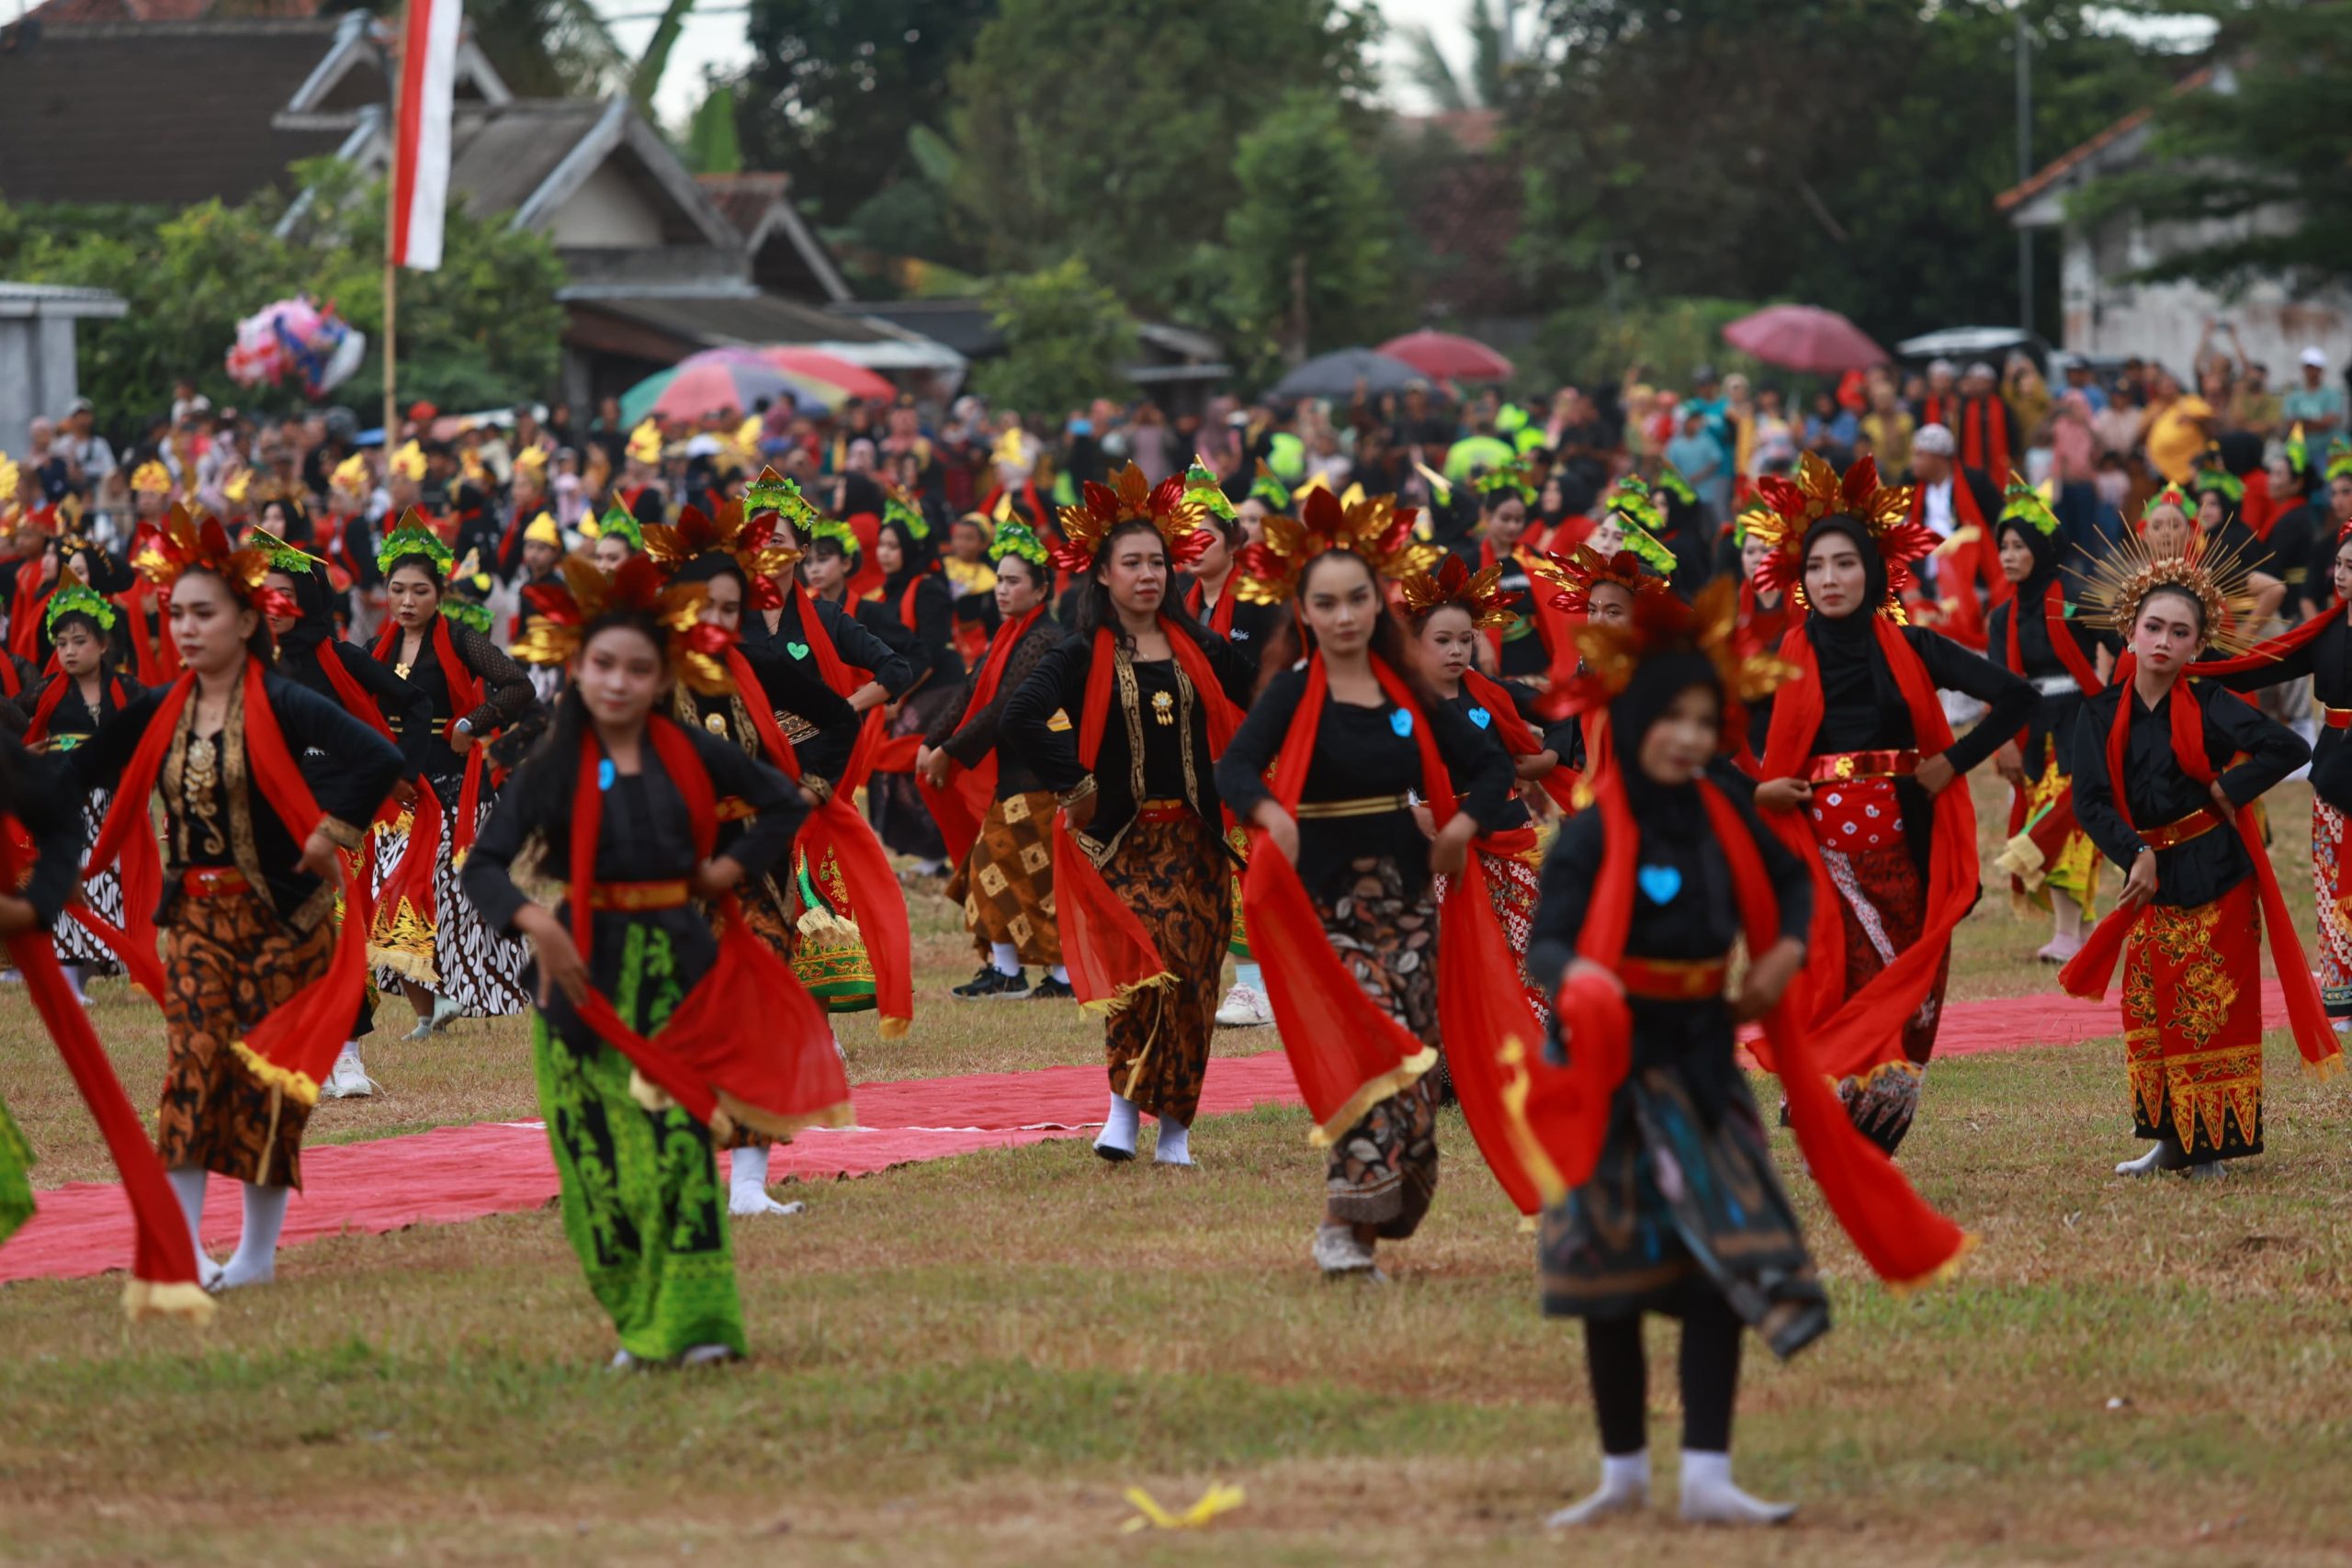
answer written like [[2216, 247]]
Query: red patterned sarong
[[2192, 1024]]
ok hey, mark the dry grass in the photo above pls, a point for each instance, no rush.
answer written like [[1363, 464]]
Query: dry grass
[[968, 1362]]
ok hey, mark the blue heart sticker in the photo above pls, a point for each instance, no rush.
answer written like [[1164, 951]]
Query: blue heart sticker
[[604, 774], [797, 649], [1481, 718], [1660, 883], [1401, 721]]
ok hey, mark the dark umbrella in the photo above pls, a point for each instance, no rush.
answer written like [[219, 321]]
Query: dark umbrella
[[1336, 374], [1806, 338]]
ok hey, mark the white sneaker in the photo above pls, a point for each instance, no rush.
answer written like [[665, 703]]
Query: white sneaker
[[348, 1081], [1245, 1006], [1339, 1254]]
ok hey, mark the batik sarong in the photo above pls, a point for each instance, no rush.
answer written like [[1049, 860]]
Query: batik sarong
[[1382, 1171], [2192, 1025], [1169, 870]]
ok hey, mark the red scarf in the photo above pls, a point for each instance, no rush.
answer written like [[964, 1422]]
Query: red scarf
[[1963, 566], [155, 656], [163, 1269], [1518, 736], [1566, 1110], [43, 711], [820, 644], [1109, 954], [747, 1040], [1851, 1035], [296, 1045], [2062, 642], [1985, 440], [1553, 624], [465, 697], [2088, 974], [1345, 1051], [24, 615], [875, 898], [10, 684], [963, 806], [1220, 619]]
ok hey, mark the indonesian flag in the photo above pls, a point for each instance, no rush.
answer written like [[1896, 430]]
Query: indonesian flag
[[421, 152]]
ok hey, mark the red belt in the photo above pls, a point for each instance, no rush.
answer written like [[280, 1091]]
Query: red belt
[[1837, 767], [2336, 718], [213, 881], [1163, 810], [628, 896], [2180, 833], [1673, 979]]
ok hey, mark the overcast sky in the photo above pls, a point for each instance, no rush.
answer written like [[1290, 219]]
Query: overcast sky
[[710, 40]]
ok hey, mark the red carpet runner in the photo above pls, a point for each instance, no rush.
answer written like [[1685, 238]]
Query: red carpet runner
[[462, 1173]]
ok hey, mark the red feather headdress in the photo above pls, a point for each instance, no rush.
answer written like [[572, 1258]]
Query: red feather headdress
[[563, 607], [1085, 526], [1817, 492], [761, 548]]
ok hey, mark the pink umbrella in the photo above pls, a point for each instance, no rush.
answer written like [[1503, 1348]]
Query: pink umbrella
[[1448, 357], [855, 379], [1805, 337]]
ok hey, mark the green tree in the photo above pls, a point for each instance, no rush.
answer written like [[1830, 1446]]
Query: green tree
[[485, 328], [712, 147], [1066, 339], [1306, 244], [2264, 157], [1108, 129], [1490, 26], [540, 49]]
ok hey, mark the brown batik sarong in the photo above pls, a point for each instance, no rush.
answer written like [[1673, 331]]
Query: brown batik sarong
[[1172, 873], [1006, 884], [1383, 1170], [228, 961]]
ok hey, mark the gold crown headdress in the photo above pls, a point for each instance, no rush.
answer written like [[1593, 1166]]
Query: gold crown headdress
[[1373, 528], [1130, 499], [1817, 492], [564, 607], [151, 478], [2119, 581], [1453, 584]]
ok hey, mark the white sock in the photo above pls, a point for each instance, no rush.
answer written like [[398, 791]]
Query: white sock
[[1119, 1128], [1249, 974], [1709, 1496], [747, 1186], [1006, 957], [1175, 1144], [1624, 1488], [187, 1185], [1061, 972], [255, 1260]]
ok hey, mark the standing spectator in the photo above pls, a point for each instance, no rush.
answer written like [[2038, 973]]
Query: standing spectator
[[2258, 409], [1699, 457], [2116, 428], [2179, 424], [1772, 447], [82, 443], [2028, 396], [1939, 404], [52, 469], [2079, 380], [1988, 434], [1888, 428], [2318, 404]]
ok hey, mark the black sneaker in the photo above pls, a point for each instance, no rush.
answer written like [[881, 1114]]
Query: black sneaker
[[991, 984], [1051, 990]]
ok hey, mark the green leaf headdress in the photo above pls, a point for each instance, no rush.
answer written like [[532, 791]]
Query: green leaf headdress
[[1270, 490], [2023, 503], [622, 524], [900, 507], [290, 559], [1630, 507], [1203, 489], [2212, 476], [468, 587], [1514, 479], [78, 599], [774, 493], [2339, 458], [1670, 480], [2299, 451], [414, 537], [1014, 538]]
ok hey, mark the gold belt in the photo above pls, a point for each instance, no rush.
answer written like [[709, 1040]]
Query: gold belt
[[1672, 979], [1370, 806], [638, 896]]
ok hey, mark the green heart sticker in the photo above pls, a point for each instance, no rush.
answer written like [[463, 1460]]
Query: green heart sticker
[[798, 650]]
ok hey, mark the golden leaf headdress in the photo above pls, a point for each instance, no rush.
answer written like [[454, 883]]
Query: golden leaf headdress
[[1373, 528], [1130, 499], [578, 596], [761, 548], [1817, 492], [185, 541], [1479, 593], [2119, 581], [1574, 575], [1662, 623]]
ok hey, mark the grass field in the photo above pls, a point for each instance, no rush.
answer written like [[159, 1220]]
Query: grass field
[[969, 1360]]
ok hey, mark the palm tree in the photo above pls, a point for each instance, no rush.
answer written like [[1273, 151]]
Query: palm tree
[[1493, 50]]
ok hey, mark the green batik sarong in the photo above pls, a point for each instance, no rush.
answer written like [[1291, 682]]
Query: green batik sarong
[[15, 1187], [641, 1201]]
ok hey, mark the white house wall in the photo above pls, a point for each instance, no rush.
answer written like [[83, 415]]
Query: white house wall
[[605, 213]]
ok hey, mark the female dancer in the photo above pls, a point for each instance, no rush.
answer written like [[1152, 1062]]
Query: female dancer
[[618, 536], [1006, 882], [309, 654], [63, 712], [249, 890], [1643, 898], [1152, 698], [629, 802], [915, 595], [1346, 727], [2036, 633], [432, 942], [2156, 788], [1856, 773]]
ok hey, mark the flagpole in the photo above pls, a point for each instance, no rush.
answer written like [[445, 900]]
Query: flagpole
[[392, 223]]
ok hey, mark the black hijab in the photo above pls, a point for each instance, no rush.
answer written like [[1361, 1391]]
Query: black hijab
[[1853, 637], [1656, 681]]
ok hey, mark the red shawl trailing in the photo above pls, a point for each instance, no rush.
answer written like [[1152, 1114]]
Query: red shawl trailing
[[1519, 737], [24, 610], [294, 1047], [1851, 1034], [1963, 566], [748, 1044], [1565, 1110], [163, 1269], [37, 730], [1346, 1052], [874, 895], [2088, 974], [1220, 619], [155, 657], [963, 806], [1554, 625], [2048, 836], [465, 697], [1109, 954]]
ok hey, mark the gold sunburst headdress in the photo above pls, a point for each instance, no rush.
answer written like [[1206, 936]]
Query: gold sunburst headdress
[[759, 549], [1818, 491], [1130, 498], [185, 541], [1662, 623], [151, 478], [1574, 575], [1373, 526], [1479, 593], [578, 596], [2119, 581]]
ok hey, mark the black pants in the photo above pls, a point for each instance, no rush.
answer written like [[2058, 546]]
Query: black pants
[[1709, 1370]]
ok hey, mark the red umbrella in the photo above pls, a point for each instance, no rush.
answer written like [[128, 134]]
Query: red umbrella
[[1448, 357], [855, 379], [1805, 337]]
